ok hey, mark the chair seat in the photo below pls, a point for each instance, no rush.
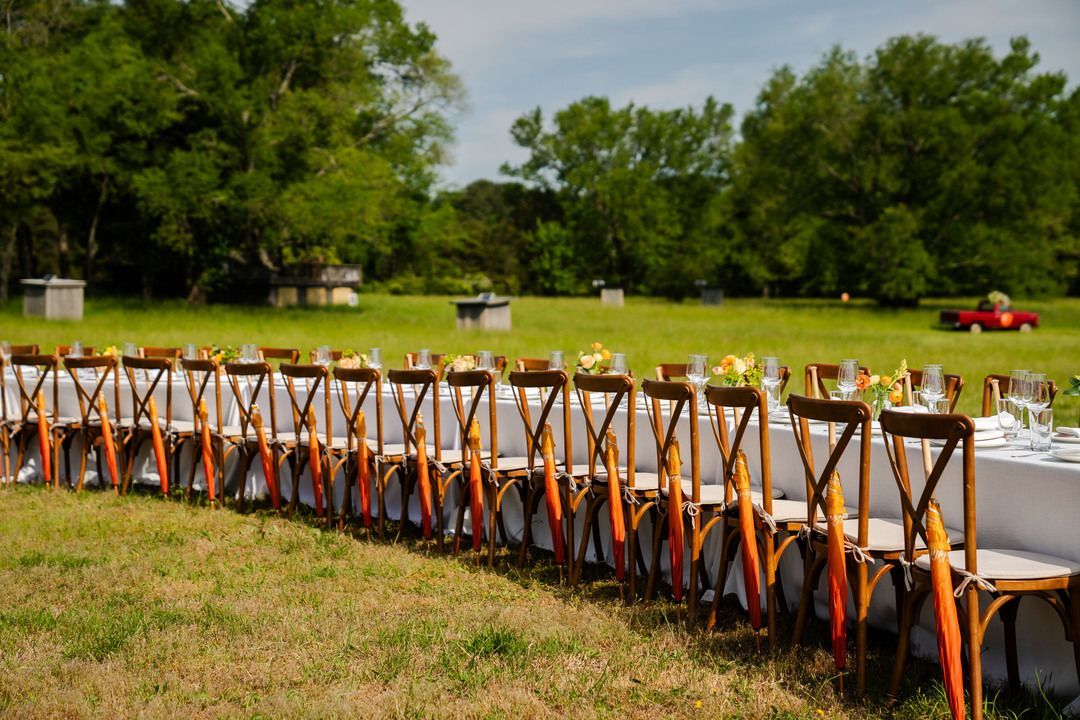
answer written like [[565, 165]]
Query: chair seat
[[389, 449], [291, 438], [449, 457], [883, 535], [643, 481], [517, 463], [184, 427], [1011, 564]]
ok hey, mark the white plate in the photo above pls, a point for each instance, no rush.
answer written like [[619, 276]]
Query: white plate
[[999, 442], [1067, 439], [1066, 455]]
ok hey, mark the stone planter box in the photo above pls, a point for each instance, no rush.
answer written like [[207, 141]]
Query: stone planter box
[[612, 296], [712, 296], [485, 312], [53, 298]]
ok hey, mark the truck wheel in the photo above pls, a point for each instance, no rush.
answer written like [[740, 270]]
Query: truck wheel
[[1025, 327], [975, 328]]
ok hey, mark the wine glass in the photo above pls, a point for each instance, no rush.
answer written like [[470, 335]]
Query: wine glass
[[375, 358], [322, 355], [555, 360], [131, 349], [423, 359], [1017, 379], [695, 372], [1037, 392], [76, 350], [618, 364], [770, 380], [249, 353], [933, 386], [485, 360], [191, 352], [846, 376]]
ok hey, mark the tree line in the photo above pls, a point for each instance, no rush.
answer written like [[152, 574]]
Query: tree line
[[190, 148]]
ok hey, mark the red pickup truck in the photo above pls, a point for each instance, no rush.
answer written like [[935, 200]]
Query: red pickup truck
[[990, 316]]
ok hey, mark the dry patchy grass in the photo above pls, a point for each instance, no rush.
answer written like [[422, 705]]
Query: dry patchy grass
[[117, 607]]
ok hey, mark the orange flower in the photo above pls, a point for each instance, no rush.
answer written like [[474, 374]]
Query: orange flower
[[726, 363], [862, 381], [896, 394]]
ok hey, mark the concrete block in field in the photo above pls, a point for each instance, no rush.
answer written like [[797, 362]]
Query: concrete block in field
[[53, 298]]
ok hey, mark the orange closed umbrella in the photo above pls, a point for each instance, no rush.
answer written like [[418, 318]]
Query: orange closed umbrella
[[363, 477], [43, 439], [615, 509], [267, 459], [423, 477], [207, 451], [748, 546], [948, 627], [159, 448], [476, 486], [834, 518], [676, 531], [315, 462], [107, 441], [551, 493]]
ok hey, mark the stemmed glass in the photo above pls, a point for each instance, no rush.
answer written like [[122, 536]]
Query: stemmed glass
[[618, 364], [322, 355], [249, 353], [423, 359], [770, 380], [1009, 418], [131, 349], [1020, 391], [191, 352], [1037, 393], [555, 360], [375, 358], [695, 372], [76, 350], [933, 387], [846, 376]]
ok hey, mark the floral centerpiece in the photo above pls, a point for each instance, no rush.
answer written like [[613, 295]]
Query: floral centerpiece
[[589, 361], [1074, 387], [352, 360], [734, 371], [225, 354], [459, 363], [885, 390], [111, 350]]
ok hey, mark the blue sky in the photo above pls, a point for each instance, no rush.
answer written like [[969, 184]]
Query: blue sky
[[513, 55]]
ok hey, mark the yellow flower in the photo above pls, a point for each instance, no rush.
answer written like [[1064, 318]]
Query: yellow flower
[[605, 354], [886, 380], [698, 704], [597, 345], [896, 394]]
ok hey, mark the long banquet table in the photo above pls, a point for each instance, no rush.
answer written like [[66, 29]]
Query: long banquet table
[[1025, 501]]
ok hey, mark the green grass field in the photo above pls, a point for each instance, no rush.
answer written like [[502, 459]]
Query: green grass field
[[649, 331], [123, 607]]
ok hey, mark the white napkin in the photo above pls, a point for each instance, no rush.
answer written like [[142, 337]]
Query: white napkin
[[986, 423], [914, 409], [985, 435], [1069, 431]]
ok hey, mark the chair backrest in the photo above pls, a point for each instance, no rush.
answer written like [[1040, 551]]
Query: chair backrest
[[65, 350], [12, 350], [255, 376], [853, 416], [41, 366], [552, 385], [335, 355], [526, 364], [436, 361], [313, 378], [785, 376], [173, 353], [954, 384], [23, 349], [153, 370], [824, 372], [354, 384], [953, 431], [197, 377], [98, 369], [666, 372], [741, 402], [681, 399], [289, 355], [480, 385], [614, 389], [1003, 387], [423, 383]]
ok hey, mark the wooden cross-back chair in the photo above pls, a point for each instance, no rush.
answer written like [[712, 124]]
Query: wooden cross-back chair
[[423, 385], [866, 539], [285, 355], [200, 376], [552, 386], [42, 367], [248, 381], [680, 398], [527, 364], [823, 371], [353, 387], [154, 372], [954, 384], [90, 376], [7, 421], [436, 361], [63, 351], [672, 371], [1007, 575], [150, 351], [777, 521], [996, 386], [296, 444], [479, 385], [616, 392]]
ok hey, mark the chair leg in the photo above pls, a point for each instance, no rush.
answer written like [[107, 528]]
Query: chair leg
[[631, 546], [459, 521], [695, 564], [523, 551], [406, 491], [862, 604], [974, 618], [770, 587], [491, 489], [659, 531], [1008, 621], [806, 597], [592, 504], [909, 612], [721, 575], [1074, 622]]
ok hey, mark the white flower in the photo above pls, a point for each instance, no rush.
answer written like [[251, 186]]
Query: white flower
[[740, 366]]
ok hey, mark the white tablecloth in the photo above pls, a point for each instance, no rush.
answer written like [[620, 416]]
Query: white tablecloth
[[1025, 502]]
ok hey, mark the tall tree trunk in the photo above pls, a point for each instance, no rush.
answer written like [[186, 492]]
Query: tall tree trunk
[[7, 259], [91, 238], [62, 248]]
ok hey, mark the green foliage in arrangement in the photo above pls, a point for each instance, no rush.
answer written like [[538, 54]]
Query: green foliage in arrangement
[[188, 148]]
